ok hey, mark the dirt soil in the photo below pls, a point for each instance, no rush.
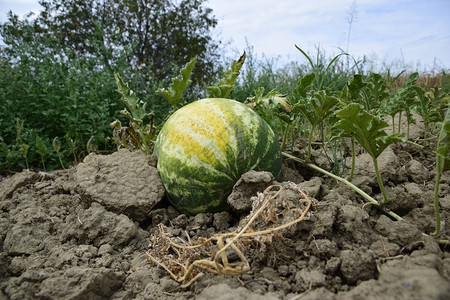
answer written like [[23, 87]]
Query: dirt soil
[[83, 234]]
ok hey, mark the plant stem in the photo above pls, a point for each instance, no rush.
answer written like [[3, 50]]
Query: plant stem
[[407, 130], [354, 187], [309, 143], [283, 142], [43, 163], [393, 123], [380, 182], [352, 171], [60, 161], [425, 133], [436, 199]]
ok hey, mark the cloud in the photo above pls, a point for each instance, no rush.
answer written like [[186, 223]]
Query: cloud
[[19, 7], [402, 29]]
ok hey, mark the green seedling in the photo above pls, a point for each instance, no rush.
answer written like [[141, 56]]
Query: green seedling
[[41, 149], [179, 85], [402, 102], [225, 85], [72, 146], [10, 153], [141, 133], [427, 109], [367, 129], [370, 94], [375, 93], [289, 117], [442, 164], [315, 109], [57, 147], [24, 151], [90, 147], [352, 91]]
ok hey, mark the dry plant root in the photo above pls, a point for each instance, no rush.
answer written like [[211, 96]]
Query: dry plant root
[[271, 214]]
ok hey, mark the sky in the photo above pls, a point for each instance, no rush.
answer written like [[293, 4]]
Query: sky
[[409, 33]]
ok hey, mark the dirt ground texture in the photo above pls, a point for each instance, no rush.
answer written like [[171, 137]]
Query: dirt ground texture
[[83, 234]]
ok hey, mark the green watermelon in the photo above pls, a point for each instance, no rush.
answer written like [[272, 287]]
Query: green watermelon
[[205, 147]]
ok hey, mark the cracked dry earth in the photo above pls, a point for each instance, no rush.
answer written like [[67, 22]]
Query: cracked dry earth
[[83, 234]]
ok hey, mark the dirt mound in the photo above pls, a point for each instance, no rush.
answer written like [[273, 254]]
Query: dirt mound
[[83, 234]]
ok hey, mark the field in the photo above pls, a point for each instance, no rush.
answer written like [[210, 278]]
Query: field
[[360, 209], [83, 233]]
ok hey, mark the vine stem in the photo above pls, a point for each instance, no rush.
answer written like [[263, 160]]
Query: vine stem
[[352, 172], [380, 181], [283, 142], [436, 199], [309, 143], [354, 187]]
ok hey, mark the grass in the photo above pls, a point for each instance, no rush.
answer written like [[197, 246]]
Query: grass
[[75, 104]]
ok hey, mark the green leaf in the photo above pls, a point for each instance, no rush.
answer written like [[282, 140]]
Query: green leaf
[[179, 84], [443, 147], [224, 87], [366, 128], [41, 148], [354, 88], [425, 107], [56, 145], [318, 107], [24, 149], [377, 87], [271, 101], [136, 107], [285, 118], [302, 88]]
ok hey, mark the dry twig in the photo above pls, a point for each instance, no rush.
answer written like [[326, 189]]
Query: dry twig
[[186, 262]]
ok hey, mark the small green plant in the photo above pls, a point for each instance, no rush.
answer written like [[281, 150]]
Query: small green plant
[[41, 149], [72, 146], [24, 151], [141, 132], [90, 147], [375, 93], [315, 109], [442, 164], [401, 102], [225, 85], [427, 109], [12, 154], [57, 147], [178, 85], [367, 129], [371, 93]]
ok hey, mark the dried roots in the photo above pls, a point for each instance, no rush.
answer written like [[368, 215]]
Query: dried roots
[[273, 212]]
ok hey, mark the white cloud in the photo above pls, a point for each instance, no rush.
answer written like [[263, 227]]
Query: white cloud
[[412, 30], [19, 7]]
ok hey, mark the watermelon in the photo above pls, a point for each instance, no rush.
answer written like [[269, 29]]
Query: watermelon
[[205, 147]]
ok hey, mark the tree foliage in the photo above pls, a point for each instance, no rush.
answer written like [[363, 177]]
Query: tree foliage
[[57, 70], [154, 34]]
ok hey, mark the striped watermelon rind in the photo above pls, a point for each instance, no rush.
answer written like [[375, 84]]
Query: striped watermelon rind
[[205, 147]]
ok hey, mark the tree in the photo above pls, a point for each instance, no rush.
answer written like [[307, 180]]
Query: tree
[[56, 69], [156, 34]]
